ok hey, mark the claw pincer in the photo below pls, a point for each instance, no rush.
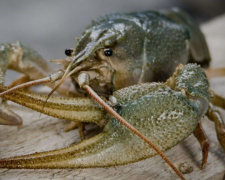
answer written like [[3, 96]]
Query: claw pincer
[[160, 111]]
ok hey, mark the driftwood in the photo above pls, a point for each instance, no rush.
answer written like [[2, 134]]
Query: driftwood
[[41, 133]]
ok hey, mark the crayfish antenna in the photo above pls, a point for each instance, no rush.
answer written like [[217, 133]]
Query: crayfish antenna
[[51, 78], [129, 126], [65, 75], [25, 85], [64, 62]]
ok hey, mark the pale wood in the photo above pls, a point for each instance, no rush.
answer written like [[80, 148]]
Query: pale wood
[[46, 133]]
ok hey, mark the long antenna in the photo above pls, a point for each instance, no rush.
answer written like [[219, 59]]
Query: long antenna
[[65, 75], [52, 77]]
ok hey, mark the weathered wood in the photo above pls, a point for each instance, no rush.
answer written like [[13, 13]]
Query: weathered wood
[[46, 133]]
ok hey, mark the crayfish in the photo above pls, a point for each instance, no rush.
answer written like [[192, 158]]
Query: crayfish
[[116, 57]]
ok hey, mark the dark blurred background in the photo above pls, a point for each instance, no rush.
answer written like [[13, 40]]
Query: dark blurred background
[[50, 26]]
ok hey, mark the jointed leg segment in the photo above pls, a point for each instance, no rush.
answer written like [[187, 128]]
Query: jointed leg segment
[[7, 116], [217, 100], [199, 133], [215, 72], [215, 116]]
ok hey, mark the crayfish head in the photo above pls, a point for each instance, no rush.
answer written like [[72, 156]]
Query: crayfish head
[[110, 52]]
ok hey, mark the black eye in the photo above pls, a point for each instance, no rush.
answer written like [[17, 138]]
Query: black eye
[[68, 52], [108, 52]]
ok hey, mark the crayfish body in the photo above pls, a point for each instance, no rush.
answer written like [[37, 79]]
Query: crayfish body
[[116, 55], [114, 52]]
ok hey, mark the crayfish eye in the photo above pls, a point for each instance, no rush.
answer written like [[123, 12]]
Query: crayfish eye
[[108, 52], [68, 52]]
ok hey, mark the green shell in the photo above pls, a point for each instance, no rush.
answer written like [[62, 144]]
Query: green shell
[[155, 42]]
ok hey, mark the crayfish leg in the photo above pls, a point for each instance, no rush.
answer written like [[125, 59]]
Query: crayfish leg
[[81, 130], [217, 100], [79, 125], [73, 125], [22, 79], [215, 116], [7, 116], [215, 72], [200, 135]]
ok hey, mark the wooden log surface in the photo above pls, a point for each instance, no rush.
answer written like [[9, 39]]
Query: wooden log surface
[[42, 133]]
